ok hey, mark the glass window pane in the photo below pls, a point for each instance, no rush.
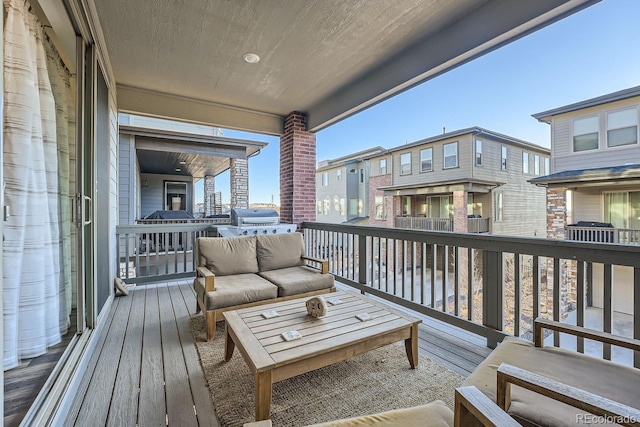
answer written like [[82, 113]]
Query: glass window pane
[[585, 142], [405, 163], [622, 119], [583, 126], [434, 207], [451, 155], [634, 210], [615, 209], [624, 136], [525, 162], [426, 160]]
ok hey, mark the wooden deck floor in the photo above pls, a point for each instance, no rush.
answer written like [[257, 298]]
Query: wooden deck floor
[[145, 370]]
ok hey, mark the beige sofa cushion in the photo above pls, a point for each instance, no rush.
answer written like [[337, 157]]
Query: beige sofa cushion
[[279, 250], [235, 290], [602, 377], [297, 280], [434, 414], [228, 255]]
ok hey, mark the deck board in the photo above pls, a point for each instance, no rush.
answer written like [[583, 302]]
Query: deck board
[[178, 390], [124, 407], [101, 391], [152, 410], [148, 346]]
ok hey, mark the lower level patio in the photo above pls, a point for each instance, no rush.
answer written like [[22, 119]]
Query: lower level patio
[[146, 371]]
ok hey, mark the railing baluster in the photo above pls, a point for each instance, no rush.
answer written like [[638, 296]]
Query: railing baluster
[[445, 276], [434, 267], [423, 270], [536, 287], [580, 303], [126, 257], [608, 309], [456, 283], [414, 262], [517, 278], [556, 298], [636, 313], [471, 259], [404, 265]]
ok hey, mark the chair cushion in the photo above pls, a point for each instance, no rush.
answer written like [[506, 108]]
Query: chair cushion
[[228, 255], [235, 290], [602, 377], [434, 414], [298, 280], [279, 250]]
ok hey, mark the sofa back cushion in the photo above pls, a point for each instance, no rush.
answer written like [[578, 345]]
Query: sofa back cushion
[[228, 255], [279, 251]]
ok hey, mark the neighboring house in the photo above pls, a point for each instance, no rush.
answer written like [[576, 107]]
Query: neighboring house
[[595, 169], [342, 187], [469, 180], [160, 161]]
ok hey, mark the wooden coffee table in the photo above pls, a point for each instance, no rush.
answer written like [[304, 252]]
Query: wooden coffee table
[[335, 337]]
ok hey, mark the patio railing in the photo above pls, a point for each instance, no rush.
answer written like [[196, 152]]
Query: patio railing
[[478, 225], [603, 235], [424, 223], [147, 253], [489, 285], [185, 221]]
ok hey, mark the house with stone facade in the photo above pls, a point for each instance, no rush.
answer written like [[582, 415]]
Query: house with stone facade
[[468, 180], [342, 189], [160, 161], [593, 185]]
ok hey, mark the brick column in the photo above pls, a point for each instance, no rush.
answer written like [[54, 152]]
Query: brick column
[[460, 222], [239, 181], [556, 212], [209, 191], [297, 171]]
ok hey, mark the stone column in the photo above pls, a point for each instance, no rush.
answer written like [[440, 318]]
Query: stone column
[[209, 191], [297, 171], [239, 182], [556, 228], [460, 222]]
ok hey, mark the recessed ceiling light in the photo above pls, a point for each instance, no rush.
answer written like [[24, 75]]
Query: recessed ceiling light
[[178, 169], [251, 58], [182, 162]]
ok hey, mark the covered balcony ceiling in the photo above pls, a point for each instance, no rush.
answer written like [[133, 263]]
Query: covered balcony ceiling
[[183, 59], [182, 153]]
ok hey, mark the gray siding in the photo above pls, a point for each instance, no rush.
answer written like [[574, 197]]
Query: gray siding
[[524, 211], [152, 196], [126, 181], [335, 190], [375, 165], [562, 140], [439, 173]]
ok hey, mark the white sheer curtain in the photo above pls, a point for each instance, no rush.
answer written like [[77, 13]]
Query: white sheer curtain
[[36, 261]]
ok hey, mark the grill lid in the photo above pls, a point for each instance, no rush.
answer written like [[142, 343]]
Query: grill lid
[[240, 217]]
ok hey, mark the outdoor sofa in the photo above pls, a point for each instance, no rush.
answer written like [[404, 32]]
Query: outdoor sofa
[[238, 272]]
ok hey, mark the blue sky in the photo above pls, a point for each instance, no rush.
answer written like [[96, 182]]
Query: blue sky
[[591, 53]]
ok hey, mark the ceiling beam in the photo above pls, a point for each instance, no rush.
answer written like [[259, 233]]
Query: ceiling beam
[[496, 23], [166, 106], [187, 147]]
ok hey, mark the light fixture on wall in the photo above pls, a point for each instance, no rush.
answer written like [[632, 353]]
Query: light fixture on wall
[[145, 183]]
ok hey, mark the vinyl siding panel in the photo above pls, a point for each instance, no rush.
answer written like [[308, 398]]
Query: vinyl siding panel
[[562, 140], [439, 173], [334, 191], [124, 178], [152, 196], [375, 165], [524, 211]]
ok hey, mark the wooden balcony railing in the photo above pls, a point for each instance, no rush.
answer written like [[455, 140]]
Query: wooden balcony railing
[[603, 235], [148, 253], [424, 223], [489, 285]]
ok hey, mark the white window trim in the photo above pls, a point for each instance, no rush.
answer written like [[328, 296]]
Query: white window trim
[[606, 129], [504, 166], [476, 152], [402, 173], [426, 170], [573, 120], [444, 157]]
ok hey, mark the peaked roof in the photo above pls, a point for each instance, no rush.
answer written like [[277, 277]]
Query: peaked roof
[[545, 116]]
